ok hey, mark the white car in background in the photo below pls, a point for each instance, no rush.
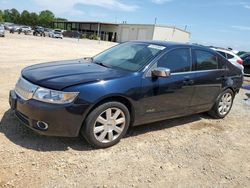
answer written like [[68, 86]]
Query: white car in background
[[26, 29], [230, 56], [57, 33], [2, 31]]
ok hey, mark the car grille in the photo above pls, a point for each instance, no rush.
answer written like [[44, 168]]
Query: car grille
[[25, 89]]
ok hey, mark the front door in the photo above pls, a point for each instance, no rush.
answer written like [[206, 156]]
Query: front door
[[166, 97]]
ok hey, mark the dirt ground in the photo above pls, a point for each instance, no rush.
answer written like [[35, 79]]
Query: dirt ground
[[193, 151]]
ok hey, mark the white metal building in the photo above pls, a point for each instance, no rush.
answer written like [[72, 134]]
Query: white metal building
[[127, 32]]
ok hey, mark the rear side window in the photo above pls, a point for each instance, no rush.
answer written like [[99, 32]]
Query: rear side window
[[229, 56], [223, 54], [177, 60], [205, 60]]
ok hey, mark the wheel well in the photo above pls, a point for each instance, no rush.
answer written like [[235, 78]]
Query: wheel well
[[120, 99], [234, 92]]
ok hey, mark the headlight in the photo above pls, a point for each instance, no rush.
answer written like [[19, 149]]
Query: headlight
[[51, 96]]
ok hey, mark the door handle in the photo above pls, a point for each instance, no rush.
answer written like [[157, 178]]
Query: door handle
[[221, 78]]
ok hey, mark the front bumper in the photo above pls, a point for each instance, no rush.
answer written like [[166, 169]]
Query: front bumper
[[62, 120]]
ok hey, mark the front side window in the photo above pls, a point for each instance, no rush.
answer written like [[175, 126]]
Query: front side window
[[205, 60], [177, 60], [129, 56]]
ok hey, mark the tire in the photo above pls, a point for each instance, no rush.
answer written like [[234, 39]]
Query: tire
[[222, 105], [109, 131]]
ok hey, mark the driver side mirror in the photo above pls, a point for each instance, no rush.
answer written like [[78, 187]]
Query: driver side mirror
[[161, 72]]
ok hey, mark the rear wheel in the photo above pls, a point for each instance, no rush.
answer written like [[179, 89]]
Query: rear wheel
[[106, 125], [223, 105]]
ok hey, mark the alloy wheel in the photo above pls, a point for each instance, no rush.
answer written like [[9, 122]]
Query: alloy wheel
[[225, 104], [109, 125]]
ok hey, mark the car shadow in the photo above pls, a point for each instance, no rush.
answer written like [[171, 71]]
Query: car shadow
[[24, 137], [165, 124]]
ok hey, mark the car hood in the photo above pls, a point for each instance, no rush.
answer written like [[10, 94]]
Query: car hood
[[62, 74]]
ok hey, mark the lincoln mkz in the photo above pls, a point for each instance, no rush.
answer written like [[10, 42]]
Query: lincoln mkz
[[130, 84]]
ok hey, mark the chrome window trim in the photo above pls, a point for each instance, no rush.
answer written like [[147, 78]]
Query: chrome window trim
[[147, 70], [189, 72]]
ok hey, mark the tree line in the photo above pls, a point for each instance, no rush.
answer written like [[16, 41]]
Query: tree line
[[44, 18]]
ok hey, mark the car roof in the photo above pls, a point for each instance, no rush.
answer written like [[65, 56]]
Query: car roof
[[225, 51], [172, 44]]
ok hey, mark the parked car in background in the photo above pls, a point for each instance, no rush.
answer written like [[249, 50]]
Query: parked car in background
[[246, 63], [57, 33], [8, 26], [25, 29], [17, 28], [130, 84], [2, 31], [72, 34], [38, 30], [230, 56], [50, 32]]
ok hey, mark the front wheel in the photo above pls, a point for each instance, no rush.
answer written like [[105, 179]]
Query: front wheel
[[223, 105], [106, 124]]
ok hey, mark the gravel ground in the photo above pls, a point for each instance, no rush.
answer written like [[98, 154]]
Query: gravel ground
[[193, 151]]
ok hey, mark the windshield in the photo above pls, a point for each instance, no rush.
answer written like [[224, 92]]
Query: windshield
[[128, 56], [1, 27]]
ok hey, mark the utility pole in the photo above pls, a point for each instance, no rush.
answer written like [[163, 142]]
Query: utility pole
[[155, 20], [99, 38]]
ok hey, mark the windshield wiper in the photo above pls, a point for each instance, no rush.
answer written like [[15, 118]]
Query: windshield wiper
[[102, 64]]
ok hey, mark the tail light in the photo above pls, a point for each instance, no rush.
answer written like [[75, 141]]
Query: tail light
[[240, 61]]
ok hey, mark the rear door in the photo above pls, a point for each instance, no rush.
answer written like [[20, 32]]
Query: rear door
[[208, 81]]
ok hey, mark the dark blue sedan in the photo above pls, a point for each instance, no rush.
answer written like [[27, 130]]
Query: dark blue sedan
[[130, 84]]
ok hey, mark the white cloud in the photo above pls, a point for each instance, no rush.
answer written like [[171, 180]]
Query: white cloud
[[160, 1], [69, 6], [241, 27], [247, 6], [76, 13]]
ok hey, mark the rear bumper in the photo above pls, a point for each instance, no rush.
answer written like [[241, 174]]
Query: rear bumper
[[62, 120]]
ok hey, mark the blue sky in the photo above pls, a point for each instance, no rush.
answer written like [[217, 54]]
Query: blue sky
[[223, 23]]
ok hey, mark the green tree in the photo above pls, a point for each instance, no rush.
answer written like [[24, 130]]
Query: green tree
[[34, 19], [1, 16], [14, 15], [60, 20], [25, 18], [7, 15], [46, 18]]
